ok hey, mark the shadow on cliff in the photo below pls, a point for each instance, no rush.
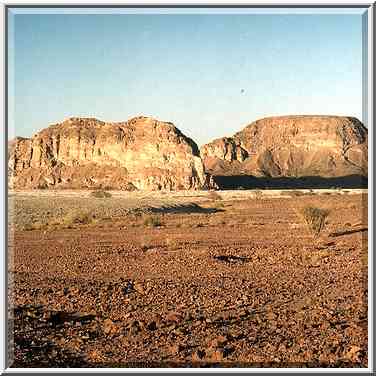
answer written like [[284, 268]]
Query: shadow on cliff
[[305, 182]]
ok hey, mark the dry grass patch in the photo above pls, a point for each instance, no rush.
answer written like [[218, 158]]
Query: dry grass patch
[[293, 193], [220, 205], [75, 217], [257, 194], [152, 221], [212, 195], [172, 243], [100, 194], [33, 226]]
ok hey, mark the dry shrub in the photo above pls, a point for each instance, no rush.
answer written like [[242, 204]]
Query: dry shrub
[[77, 217], [130, 187], [293, 193], [109, 188], [27, 227], [42, 185], [212, 195], [257, 193], [315, 219], [38, 225], [100, 194], [30, 226], [172, 243], [152, 221], [74, 217], [296, 193]]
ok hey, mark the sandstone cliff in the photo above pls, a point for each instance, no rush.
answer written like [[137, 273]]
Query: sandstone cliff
[[291, 146], [141, 153]]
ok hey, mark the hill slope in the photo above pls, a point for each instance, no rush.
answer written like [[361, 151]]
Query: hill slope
[[141, 153], [291, 147]]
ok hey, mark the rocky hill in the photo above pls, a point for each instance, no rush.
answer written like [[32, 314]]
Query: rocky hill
[[147, 154], [291, 147], [142, 153]]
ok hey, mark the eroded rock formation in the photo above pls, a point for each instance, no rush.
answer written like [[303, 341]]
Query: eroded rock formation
[[291, 146], [147, 154], [141, 153]]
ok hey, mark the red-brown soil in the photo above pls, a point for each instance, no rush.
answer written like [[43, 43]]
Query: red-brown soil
[[241, 285]]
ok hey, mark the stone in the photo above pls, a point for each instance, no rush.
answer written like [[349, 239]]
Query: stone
[[198, 355], [152, 326], [216, 356], [173, 317], [109, 327]]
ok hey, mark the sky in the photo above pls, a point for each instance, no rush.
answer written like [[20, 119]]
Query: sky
[[209, 74]]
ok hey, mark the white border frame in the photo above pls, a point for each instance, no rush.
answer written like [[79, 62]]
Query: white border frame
[[370, 12]]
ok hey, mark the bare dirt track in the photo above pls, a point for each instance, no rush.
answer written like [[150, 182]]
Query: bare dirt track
[[188, 280]]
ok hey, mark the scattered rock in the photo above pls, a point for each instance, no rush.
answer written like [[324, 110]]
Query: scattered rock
[[109, 327], [152, 326], [198, 355], [173, 317]]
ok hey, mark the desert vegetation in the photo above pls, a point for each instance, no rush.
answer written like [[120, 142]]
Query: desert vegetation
[[152, 221], [76, 217], [315, 219], [293, 193], [257, 193], [100, 193], [215, 196]]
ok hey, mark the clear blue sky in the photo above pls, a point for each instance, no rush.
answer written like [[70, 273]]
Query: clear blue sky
[[210, 74]]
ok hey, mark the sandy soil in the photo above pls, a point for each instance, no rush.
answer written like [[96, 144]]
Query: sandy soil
[[187, 280]]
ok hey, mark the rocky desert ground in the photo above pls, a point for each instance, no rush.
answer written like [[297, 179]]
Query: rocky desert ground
[[187, 279]]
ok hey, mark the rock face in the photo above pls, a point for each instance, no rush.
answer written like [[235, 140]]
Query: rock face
[[142, 153], [147, 154], [291, 146]]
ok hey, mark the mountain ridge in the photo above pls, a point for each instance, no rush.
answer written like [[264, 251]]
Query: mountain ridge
[[149, 154]]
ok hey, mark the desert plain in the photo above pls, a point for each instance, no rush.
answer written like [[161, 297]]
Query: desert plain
[[187, 279]]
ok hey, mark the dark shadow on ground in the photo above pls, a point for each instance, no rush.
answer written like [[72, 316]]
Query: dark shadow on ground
[[232, 259], [177, 209], [305, 182], [32, 348], [347, 232]]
